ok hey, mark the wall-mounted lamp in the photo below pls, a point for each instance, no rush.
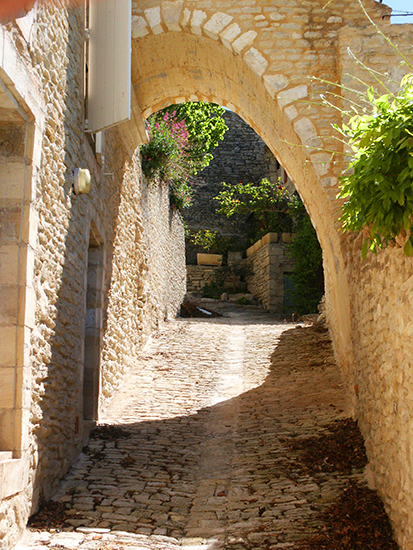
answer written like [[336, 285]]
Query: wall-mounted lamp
[[82, 181]]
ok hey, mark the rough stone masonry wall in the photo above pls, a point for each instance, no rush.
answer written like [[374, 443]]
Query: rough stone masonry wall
[[197, 276], [382, 323], [147, 283], [142, 250], [241, 156], [268, 265]]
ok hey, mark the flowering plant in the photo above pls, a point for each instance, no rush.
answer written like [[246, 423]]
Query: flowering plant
[[165, 158], [164, 155], [182, 138]]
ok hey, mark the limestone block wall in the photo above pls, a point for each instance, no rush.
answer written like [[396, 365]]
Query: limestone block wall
[[147, 282], [382, 334], [269, 263], [104, 268], [382, 321], [197, 276]]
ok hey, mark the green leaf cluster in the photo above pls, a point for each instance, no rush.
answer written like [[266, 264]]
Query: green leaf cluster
[[268, 201], [378, 190], [206, 128], [307, 273], [212, 241], [183, 137], [207, 239]]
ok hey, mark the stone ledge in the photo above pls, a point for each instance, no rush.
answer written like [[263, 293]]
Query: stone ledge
[[13, 476]]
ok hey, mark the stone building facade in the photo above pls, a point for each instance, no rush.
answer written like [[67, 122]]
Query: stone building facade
[[270, 265], [85, 278], [78, 273]]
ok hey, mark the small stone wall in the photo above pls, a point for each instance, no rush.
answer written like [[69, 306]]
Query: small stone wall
[[269, 262], [197, 276]]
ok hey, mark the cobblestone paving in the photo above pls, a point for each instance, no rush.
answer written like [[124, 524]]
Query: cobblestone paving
[[197, 457]]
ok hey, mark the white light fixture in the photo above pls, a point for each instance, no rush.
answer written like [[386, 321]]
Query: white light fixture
[[82, 181]]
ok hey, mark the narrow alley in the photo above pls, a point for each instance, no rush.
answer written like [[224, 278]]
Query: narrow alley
[[199, 448]]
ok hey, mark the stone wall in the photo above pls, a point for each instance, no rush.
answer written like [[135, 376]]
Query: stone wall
[[197, 276], [242, 156], [105, 268], [269, 262], [382, 323]]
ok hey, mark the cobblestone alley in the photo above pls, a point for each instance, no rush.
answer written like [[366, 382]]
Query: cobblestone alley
[[196, 452]]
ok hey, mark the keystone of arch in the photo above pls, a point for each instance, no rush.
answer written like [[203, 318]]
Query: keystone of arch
[[171, 13]]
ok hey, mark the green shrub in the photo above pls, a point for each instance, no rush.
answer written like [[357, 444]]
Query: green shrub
[[307, 274], [378, 191]]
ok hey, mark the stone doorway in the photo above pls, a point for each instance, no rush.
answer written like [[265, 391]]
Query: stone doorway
[[93, 326]]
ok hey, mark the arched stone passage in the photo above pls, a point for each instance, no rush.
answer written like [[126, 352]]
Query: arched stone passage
[[243, 59], [258, 60]]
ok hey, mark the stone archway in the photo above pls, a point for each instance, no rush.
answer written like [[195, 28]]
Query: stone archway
[[258, 61]]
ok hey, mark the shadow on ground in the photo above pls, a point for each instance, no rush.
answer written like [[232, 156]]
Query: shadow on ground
[[267, 469]]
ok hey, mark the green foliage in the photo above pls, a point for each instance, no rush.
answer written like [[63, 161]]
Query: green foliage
[[307, 273], [164, 157], [180, 194], [378, 191], [269, 202], [279, 211], [207, 239], [233, 277], [183, 137], [206, 128], [243, 301], [211, 290], [212, 241], [228, 278]]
